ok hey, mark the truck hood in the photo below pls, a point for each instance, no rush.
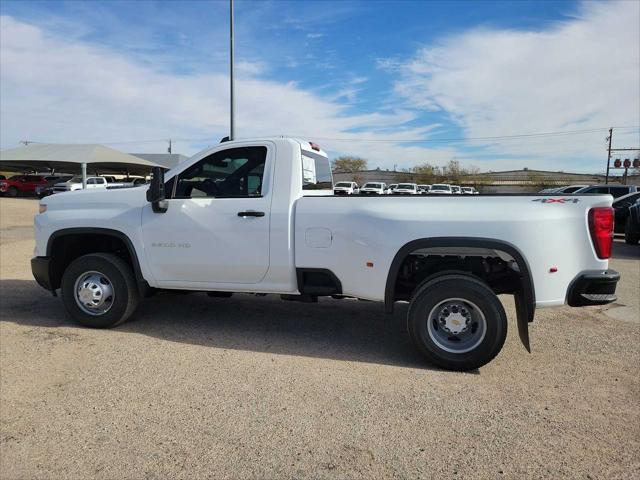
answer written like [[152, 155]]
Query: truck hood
[[98, 198]]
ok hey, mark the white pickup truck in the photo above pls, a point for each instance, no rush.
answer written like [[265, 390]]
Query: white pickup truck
[[75, 183], [260, 216]]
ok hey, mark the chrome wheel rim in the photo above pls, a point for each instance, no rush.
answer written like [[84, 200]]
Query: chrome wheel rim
[[456, 325], [94, 293]]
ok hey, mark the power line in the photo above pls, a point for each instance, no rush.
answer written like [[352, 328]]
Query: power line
[[385, 140], [435, 140]]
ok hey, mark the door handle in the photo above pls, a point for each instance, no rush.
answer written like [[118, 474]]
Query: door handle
[[250, 213]]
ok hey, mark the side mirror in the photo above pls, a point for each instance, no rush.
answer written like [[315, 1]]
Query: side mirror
[[155, 194]]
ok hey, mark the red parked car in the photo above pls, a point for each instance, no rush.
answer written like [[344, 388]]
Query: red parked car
[[21, 184]]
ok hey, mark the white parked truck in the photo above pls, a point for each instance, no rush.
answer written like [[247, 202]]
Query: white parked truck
[[374, 188], [346, 188], [406, 189], [75, 183], [260, 216]]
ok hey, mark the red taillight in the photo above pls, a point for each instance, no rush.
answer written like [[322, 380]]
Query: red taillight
[[601, 228]]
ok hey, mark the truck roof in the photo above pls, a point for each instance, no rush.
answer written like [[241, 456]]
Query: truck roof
[[309, 147]]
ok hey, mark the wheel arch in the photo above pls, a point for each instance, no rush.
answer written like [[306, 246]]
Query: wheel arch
[[96, 232], [524, 296]]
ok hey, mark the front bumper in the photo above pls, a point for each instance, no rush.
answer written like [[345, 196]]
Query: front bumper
[[41, 270], [593, 287]]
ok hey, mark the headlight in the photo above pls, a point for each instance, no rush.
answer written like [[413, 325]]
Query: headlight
[[42, 208]]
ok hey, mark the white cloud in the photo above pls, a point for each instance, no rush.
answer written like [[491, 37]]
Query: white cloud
[[315, 35], [59, 91], [579, 74]]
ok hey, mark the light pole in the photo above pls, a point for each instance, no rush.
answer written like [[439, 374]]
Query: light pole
[[232, 123]]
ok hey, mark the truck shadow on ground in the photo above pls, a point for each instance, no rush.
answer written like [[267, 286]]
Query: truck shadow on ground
[[346, 329]]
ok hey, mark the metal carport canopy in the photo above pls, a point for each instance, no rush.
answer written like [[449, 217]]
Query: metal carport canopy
[[71, 158]]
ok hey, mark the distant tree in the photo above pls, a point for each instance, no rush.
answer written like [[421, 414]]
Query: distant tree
[[426, 173], [452, 171], [348, 164]]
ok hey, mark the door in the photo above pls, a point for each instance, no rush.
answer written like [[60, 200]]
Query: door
[[216, 228], [95, 182], [30, 183]]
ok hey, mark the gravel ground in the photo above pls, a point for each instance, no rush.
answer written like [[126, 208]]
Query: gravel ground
[[253, 387]]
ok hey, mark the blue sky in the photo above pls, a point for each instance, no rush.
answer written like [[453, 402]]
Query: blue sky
[[393, 82]]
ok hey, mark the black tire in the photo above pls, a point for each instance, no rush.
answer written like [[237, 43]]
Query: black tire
[[12, 192], [468, 289], [122, 282], [630, 237]]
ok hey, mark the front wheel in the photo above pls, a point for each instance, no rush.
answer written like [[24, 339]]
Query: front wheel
[[12, 192], [457, 322], [99, 290]]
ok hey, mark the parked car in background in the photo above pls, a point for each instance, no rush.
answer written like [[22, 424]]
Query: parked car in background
[[21, 185], [441, 188], [127, 182], [469, 191], [569, 189], [345, 188], [391, 188], [373, 188], [424, 189], [613, 189], [46, 189], [75, 183], [632, 228], [406, 189], [456, 190], [621, 209]]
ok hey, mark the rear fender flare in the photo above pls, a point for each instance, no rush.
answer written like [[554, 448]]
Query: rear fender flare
[[524, 298]]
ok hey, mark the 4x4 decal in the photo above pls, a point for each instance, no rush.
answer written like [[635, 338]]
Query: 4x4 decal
[[556, 200]]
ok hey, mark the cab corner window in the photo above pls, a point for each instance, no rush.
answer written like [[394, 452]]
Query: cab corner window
[[236, 172], [316, 173]]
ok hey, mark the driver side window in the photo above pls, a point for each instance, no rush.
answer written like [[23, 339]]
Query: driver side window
[[236, 172]]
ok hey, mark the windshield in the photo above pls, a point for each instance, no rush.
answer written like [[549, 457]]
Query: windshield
[[467, 189], [440, 187], [407, 186], [372, 185], [343, 184]]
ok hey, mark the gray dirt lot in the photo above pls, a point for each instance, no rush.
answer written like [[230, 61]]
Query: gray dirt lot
[[259, 388]]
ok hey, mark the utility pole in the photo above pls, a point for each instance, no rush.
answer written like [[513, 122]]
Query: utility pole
[[169, 149], [606, 178], [232, 124]]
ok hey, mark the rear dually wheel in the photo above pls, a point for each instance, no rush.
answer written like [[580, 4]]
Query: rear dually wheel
[[457, 322]]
